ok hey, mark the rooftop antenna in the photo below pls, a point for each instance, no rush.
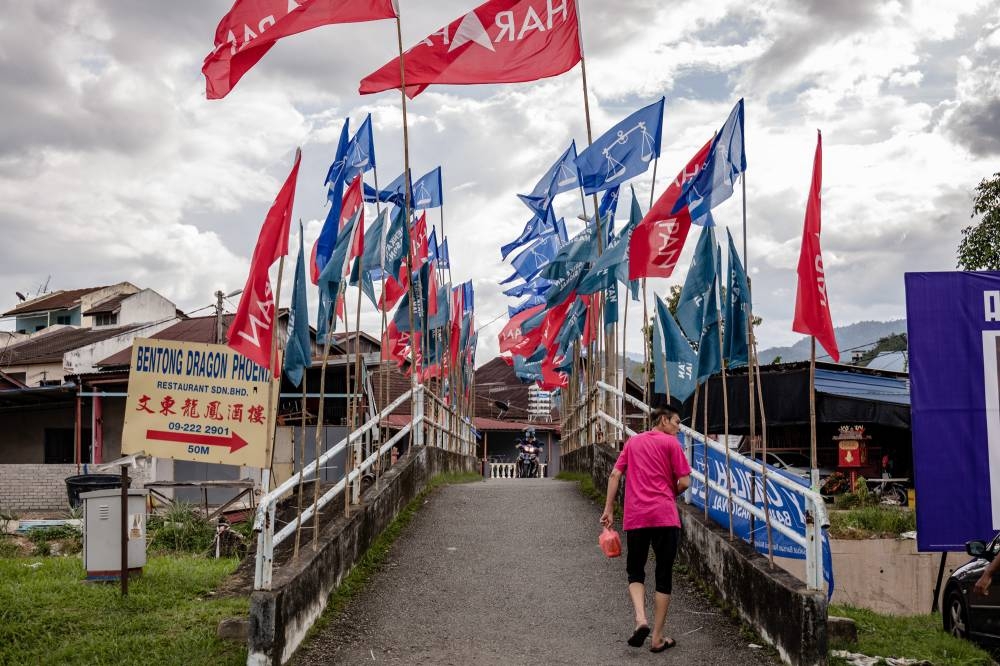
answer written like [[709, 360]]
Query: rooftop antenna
[[43, 289]]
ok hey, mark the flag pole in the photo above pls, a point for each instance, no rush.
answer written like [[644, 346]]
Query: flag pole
[[269, 453], [705, 435], [319, 423], [813, 471], [355, 394], [725, 420], [383, 364], [646, 353], [763, 437], [302, 442]]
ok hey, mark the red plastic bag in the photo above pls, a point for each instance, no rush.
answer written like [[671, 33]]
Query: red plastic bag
[[610, 543]]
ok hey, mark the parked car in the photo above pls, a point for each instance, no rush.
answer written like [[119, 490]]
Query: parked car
[[966, 613], [793, 463]]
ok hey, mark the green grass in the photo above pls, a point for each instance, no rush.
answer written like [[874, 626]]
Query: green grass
[[48, 615], [373, 559], [872, 522], [916, 637]]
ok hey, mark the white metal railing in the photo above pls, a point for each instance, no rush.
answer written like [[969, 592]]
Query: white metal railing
[[508, 470], [811, 539], [268, 537]]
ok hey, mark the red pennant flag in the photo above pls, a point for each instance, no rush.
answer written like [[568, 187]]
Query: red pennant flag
[[511, 335], [250, 331], [509, 360], [501, 41], [812, 308], [591, 325], [432, 290], [552, 378], [251, 28], [457, 310], [657, 241], [353, 204]]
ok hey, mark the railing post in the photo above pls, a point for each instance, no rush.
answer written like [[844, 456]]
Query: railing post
[[814, 552], [265, 550], [418, 415]]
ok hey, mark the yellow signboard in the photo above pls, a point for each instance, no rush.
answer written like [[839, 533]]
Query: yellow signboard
[[201, 402]]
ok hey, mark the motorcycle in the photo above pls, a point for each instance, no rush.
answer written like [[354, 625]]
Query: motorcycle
[[527, 460]]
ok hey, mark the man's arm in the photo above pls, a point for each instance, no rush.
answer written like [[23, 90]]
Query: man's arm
[[608, 516], [683, 483], [982, 585]]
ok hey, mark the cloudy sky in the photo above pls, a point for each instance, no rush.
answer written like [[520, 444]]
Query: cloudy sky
[[114, 166]]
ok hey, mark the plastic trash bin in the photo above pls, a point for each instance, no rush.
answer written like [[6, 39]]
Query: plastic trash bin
[[84, 483]]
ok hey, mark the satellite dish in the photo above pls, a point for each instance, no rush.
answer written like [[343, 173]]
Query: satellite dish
[[502, 406], [21, 296]]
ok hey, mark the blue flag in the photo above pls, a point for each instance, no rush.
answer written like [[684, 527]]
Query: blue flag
[[725, 162], [610, 307], [561, 177], [537, 227], [332, 276], [624, 151], [427, 190], [432, 245], [736, 311], [359, 156], [536, 287], [298, 350], [700, 279], [580, 249], [710, 344], [444, 261], [564, 285], [607, 209], [530, 262], [468, 296], [394, 193], [673, 359], [372, 258], [527, 371], [524, 305], [335, 193]]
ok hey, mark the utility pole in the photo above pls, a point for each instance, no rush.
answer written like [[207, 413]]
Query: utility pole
[[219, 295]]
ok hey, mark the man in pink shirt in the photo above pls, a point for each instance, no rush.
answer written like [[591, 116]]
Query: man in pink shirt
[[656, 471]]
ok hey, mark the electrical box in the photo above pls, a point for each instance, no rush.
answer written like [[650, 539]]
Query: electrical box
[[102, 533]]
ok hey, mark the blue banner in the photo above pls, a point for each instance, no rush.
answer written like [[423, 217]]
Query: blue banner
[[784, 506], [427, 190], [953, 332], [562, 176]]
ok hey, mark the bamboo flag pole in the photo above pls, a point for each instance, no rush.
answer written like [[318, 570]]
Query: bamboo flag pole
[[725, 427], [414, 371], [750, 352], [271, 410], [317, 441], [704, 433], [355, 394], [646, 353], [302, 445], [763, 435], [383, 364]]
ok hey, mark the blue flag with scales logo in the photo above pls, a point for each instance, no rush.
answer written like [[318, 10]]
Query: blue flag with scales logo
[[624, 151]]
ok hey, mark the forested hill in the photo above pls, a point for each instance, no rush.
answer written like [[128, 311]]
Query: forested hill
[[863, 334]]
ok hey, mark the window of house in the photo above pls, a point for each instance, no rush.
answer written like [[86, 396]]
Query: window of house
[[60, 446], [63, 319], [106, 319]]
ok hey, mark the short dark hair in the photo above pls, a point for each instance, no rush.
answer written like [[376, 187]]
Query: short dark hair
[[662, 411]]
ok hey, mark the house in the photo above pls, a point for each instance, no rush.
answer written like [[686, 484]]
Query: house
[[91, 307]]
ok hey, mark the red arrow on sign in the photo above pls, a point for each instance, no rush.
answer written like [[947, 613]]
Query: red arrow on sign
[[234, 441]]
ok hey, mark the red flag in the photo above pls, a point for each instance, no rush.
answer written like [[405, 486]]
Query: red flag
[[501, 41], [251, 28], [432, 290], [393, 289], [509, 360], [657, 241], [418, 242], [552, 378], [353, 204], [250, 331], [812, 308], [457, 310], [591, 323], [511, 335]]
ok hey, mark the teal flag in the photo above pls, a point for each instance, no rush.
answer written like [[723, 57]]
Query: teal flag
[[298, 349], [700, 280], [736, 311], [612, 265], [710, 345], [673, 358]]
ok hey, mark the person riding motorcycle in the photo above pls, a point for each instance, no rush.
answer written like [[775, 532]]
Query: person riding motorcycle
[[528, 452]]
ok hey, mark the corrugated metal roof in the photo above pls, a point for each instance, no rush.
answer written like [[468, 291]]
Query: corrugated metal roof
[[195, 329], [863, 386], [108, 305], [49, 347], [57, 300], [894, 361]]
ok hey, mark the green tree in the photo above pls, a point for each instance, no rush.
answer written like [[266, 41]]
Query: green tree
[[980, 246]]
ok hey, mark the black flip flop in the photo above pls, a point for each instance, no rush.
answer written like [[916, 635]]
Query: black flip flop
[[668, 643], [639, 636]]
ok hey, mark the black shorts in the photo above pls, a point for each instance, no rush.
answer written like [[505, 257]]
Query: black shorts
[[664, 541]]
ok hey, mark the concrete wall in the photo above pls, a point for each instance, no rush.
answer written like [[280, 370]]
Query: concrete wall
[[22, 431], [146, 306], [774, 603], [281, 617], [87, 301], [82, 360], [887, 576]]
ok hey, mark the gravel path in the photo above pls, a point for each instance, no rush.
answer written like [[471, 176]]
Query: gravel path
[[509, 572]]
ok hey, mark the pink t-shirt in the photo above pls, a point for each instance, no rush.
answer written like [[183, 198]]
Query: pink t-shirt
[[652, 462]]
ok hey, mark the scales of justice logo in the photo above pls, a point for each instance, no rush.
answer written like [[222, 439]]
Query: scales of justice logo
[[615, 169]]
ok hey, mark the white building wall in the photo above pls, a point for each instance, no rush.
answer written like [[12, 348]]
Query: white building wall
[[87, 301], [82, 360], [146, 306]]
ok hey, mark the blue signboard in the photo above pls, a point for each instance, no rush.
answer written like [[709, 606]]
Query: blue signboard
[[783, 505], [953, 330]]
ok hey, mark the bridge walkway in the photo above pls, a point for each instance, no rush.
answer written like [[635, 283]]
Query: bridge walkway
[[509, 572]]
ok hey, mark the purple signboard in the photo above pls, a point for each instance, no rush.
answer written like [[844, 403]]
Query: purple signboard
[[953, 328]]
